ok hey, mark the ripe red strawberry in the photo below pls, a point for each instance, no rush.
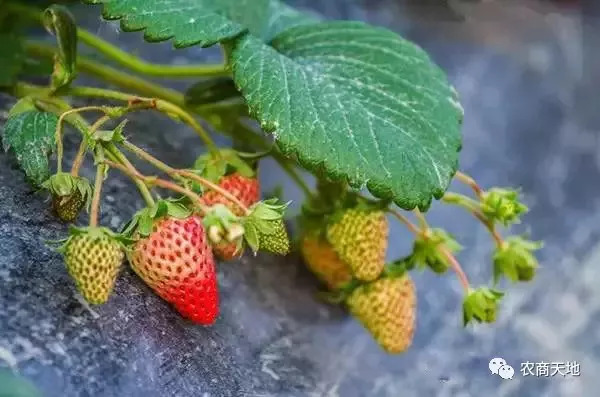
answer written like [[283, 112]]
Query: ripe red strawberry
[[360, 237], [245, 189], [387, 309], [93, 258], [176, 261]]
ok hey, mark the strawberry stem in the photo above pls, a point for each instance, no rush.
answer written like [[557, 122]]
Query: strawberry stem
[[115, 155], [178, 174], [472, 207], [469, 181], [100, 172], [58, 131], [151, 180], [424, 231], [79, 158]]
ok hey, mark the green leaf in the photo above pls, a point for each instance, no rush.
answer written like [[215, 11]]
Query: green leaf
[[202, 22], [59, 21], [23, 105], [11, 58], [357, 102], [31, 136]]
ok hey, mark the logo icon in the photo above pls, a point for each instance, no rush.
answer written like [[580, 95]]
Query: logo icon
[[498, 366]]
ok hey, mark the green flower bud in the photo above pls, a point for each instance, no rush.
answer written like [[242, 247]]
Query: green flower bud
[[481, 305], [515, 259], [426, 251], [502, 205]]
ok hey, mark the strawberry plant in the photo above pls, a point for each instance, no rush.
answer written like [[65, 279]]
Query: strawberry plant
[[367, 112]]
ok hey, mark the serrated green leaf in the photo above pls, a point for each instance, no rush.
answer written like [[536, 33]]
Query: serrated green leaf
[[59, 22], [358, 102], [31, 136], [202, 22], [12, 58]]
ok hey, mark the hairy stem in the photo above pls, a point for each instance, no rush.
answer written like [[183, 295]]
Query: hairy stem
[[100, 170], [137, 65], [115, 155], [176, 174], [58, 132], [108, 74], [153, 181], [472, 207], [170, 109], [462, 277], [469, 181], [79, 158]]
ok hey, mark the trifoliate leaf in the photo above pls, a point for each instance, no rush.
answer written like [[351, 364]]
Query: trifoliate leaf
[[202, 22], [357, 102], [11, 58], [30, 134], [59, 22]]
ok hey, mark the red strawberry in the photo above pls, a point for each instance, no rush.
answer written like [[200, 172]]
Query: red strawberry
[[245, 189], [176, 261]]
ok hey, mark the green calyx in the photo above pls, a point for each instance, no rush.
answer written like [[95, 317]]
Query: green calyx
[[481, 305], [265, 219], [515, 259], [222, 225], [214, 166], [65, 184], [142, 222], [426, 250], [502, 205], [93, 232], [70, 194]]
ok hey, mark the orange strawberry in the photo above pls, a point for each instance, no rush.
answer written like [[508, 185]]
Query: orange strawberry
[[324, 262]]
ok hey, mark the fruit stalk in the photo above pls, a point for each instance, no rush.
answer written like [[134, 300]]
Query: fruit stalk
[[100, 171], [149, 180], [177, 174], [469, 181]]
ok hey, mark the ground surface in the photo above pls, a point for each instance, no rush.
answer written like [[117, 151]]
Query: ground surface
[[530, 122]]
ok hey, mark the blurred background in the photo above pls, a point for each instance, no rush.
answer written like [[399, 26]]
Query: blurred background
[[528, 74]]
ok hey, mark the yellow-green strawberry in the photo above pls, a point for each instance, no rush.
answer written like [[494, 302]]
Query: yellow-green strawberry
[[70, 194], [324, 262], [387, 309], [264, 228], [360, 237], [93, 257], [276, 240]]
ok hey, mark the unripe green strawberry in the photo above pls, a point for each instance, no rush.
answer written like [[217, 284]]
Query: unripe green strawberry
[[324, 262], [276, 242], [70, 194], [387, 309], [360, 237], [93, 258], [176, 261], [68, 207]]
